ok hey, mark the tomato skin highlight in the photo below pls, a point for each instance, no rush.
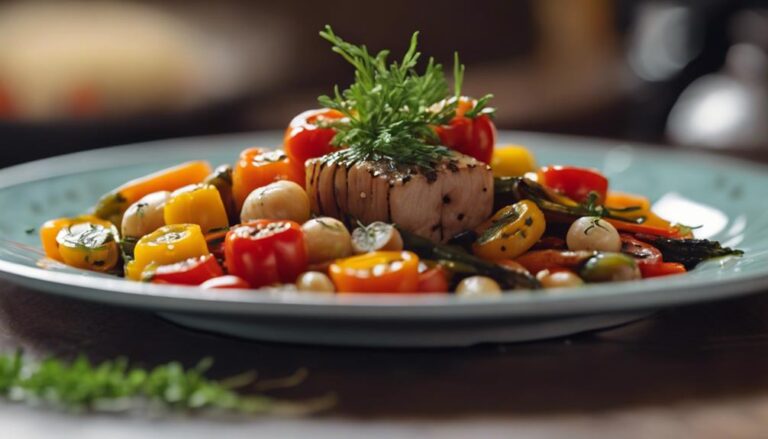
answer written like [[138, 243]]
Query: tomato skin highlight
[[575, 183], [377, 272], [257, 168], [662, 269], [474, 136], [225, 282], [305, 140], [266, 252], [193, 271], [433, 280]]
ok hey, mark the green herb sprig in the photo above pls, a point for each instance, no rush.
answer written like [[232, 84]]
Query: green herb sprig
[[390, 108], [116, 386]]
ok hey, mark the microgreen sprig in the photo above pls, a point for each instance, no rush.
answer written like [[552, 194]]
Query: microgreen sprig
[[390, 108]]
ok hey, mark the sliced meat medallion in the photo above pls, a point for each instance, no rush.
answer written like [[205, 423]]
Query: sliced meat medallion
[[456, 195]]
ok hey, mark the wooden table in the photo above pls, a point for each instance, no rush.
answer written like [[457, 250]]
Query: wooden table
[[698, 371]]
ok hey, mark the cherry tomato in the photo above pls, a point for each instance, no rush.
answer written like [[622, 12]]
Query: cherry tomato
[[644, 253], [433, 280], [257, 168], [225, 282], [661, 269], [575, 183], [377, 272], [473, 136], [266, 252], [306, 139], [192, 271]]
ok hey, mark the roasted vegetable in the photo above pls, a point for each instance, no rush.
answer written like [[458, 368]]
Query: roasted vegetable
[[192, 271], [327, 239], [377, 272], [144, 216], [257, 168], [510, 232], [221, 179], [609, 267], [465, 264], [281, 200], [559, 208], [376, 236], [266, 252], [315, 282], [476, 286], [308, 136], [51, 228], [575, 183], [89, 246], [512, 161], [166, 245], [196, 204], [471, 131], [112, 205], [553, 260], [689, 252], [593, 233]]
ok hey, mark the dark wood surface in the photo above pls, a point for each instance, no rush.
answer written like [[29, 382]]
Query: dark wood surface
[[700, 369]]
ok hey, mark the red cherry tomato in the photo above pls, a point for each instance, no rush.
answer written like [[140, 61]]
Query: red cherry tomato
[[266, 252], [433, 280], [227, 281], [661, 269], [475, 136], [192, 271], [644, 253], [305, 140], [575, 183]]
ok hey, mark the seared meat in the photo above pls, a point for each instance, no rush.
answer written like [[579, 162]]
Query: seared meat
[[437, 204]]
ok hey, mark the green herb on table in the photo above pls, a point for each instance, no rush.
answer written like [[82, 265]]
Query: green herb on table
[[117, 386]]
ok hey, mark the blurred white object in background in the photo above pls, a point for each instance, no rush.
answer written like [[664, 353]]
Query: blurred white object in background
[[728, 109]]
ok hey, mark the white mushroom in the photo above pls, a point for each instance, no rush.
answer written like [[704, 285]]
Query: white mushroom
[[593, 234], [326, 239], [145, 216], [281, 200]]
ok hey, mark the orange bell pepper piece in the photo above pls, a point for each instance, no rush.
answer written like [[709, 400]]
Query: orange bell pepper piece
[[377, 272], [257, 168]]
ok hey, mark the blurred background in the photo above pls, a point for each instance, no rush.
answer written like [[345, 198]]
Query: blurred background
[[84, 74]]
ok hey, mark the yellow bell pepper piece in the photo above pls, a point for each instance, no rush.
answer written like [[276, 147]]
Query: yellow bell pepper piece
[[89, 246], [510, 232], [197, 204], [512, 161], [166, 245], [112, 205], [51, 228]]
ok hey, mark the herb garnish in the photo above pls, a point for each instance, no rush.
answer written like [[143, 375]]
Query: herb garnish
[[116, 386], [390, 108]]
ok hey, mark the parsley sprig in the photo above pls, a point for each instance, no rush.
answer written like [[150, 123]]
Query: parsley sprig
[[390, 108], [117, 386]]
